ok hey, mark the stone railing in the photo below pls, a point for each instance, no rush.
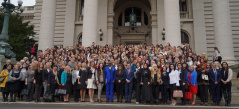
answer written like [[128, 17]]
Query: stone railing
[[184, 15]]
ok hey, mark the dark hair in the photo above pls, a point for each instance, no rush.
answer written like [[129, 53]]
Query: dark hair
[[223, 67], [55, 66], [170, 67]]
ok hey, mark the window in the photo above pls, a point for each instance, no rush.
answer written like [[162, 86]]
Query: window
[[80, 40], [138, 12], [183, 5], [184, 38], [82, 7]]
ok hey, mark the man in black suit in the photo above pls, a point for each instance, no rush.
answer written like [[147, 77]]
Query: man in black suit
[[120, 82], [215, 82], [182, 81]]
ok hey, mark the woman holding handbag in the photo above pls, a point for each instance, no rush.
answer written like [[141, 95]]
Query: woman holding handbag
[[76, 86], [203, 84], [53, 81], [4, 83], [66, 81], [100, 78], [91, 80], [155, 81], [193, 84], [29, 82], [174, 81]]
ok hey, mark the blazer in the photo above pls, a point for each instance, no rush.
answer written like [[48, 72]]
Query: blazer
[[51, 78], [183, 75], [212, 77], [45, 75], [3, 83], [133, 67], [109, 75], [120, 76], [74, 76], [129, 76], [137, 75], [63, 77], [194, 76], [165, 79]]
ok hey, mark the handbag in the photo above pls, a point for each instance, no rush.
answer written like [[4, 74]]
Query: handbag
[[47, 96], [188, 94], [24, 91], [205, 77], [60, 92], [177, 94], [2, 78]]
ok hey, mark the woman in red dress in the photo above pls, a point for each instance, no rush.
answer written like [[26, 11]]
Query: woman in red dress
[[193, 85]]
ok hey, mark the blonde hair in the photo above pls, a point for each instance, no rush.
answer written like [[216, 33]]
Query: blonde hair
[[67, 68]]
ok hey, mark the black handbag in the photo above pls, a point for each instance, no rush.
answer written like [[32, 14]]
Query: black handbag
[[24, 91], [47, 96], [60, 92]]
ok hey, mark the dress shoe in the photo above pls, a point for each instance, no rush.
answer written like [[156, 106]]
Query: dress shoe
[[112, 101], [205, 104], [129, 101], [11, 100], [117, 100], [214, 104], [121, 101], [219, 104], [226, 103], [229, 104], [126, 101], [107, 101], [99, 101]]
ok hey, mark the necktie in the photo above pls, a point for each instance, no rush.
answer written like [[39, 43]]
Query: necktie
[[215, 72], [128, 72]]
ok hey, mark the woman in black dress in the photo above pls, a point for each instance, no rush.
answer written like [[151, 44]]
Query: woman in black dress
[[53, 81], [165, 85], [15, 86], [146, 86], [76, 86], [83, 81], [38, 81]]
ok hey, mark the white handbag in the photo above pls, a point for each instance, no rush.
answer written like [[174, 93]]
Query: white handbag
[[205, 77]]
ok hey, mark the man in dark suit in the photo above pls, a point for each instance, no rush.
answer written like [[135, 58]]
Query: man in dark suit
[[215, 82], [120, 82], [129, 83], [182, 81]]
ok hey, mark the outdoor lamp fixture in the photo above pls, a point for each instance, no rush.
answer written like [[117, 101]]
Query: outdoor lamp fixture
[[132, 19], [163, 33], [101, 35], [8, 7]]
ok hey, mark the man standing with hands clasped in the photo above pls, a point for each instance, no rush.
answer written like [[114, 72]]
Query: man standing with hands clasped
[[215, 82], [129, 84], [109, 80]]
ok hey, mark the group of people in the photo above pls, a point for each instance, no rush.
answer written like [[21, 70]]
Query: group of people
[[154, 73]]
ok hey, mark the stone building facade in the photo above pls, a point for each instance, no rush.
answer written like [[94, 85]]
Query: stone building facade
[[204, 24]]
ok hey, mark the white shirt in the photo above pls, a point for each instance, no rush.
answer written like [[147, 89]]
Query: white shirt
[[77, 74], [174, 77]]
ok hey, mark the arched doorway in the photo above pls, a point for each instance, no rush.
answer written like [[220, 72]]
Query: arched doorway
[[123, 31], [184, 38]]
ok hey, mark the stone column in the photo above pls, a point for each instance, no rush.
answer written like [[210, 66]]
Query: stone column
[[172, 22], [222, 30], [47, 24], [90, 23], [200, 40]]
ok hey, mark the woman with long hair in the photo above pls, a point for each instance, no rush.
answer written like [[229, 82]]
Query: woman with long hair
[[66, 81], [53, 81], [76, 86], [155, 81], [120, 82], [83, 81], [165, 85], [227, 74], [38, 81], [100, 80], [217, 55], [91, 84], [29, 82], [146, 85]]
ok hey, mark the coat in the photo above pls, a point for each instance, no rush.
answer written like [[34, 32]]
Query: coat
[[183, 75], [165, 79], [120, 76], [129, 76], [63, 77], [194, 76], [212, 77], [109, 76], [3, 83]]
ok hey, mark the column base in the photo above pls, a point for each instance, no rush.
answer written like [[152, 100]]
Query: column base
[[230, 60]]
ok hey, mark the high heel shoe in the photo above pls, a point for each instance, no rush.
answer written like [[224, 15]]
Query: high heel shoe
[[193, 104]]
